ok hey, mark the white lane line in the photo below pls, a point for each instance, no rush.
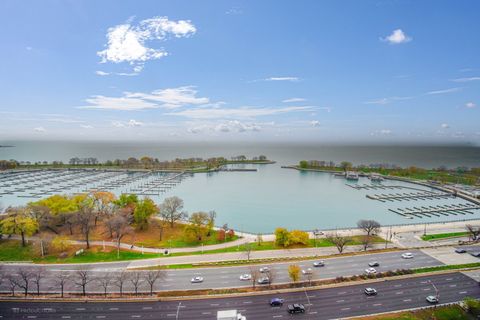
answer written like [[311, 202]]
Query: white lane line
[[247, 301], [426, 289], [66, 317], [100, 317], [338, 301], [399, 292], [147, 308], [397, 285], [80, 309], [113, 309], [462, 292], [223, 277], [343, 292], [214, 304], [345, 309], [453, 285], [171, 314], [206, 313], [139, 316], [278, 316], [313, 312], [449, 279], [377, 304], [31, 317], [407, 300]]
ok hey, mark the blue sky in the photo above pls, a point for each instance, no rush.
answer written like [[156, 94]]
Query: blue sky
[[323, 71]]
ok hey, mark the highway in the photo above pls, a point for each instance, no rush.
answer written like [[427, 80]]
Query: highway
[[330, 303], [228, 277]]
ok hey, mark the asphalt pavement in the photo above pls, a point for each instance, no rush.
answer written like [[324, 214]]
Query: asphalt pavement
[[330, 303]]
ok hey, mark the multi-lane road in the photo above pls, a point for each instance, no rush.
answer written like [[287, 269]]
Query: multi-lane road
[[228, 277], [330, 303]]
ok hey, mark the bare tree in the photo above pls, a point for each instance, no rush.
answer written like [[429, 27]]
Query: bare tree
[[473, 231], [248, 250], [85, 217], [119, 281], [61, 280], [12, 283], [37, 276], [339, 241], [120, 227], [309, 276], [83, 278], [272, 275], [371, 227], [23, 280], [171, 210], [255, 274], [366, 242], [105, 282], [136, 280], [152, 276]]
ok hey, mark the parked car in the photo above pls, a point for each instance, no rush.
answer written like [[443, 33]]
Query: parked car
[[373, 264], [307, 271], [460, 250], [370, 271], [317, 264], [296, 308], [263, 280], [276, 302], [475, 254], [197, 279], [245, 277], [370, 291], [407, 255], [432, 299], [264, 269]]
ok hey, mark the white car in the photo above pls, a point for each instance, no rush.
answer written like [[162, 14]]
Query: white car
[[370, 271], [245, 277], [407, 255], [263, 280], [317, 264], [197, 279], [264, 269], [432, 299], [307, 271]]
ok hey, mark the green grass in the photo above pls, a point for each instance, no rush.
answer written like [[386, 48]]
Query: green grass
[[91, 256], [453, 312], [443, 235], [12, 250], [448, 267]]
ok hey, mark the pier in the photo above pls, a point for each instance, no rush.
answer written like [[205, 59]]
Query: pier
[[437, 211], [427, 195]]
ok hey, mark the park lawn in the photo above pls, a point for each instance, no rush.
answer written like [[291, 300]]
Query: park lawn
[[453, 312], [448, 267], [12, 250], [443, 235]]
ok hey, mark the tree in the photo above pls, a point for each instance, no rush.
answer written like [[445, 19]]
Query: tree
[[366, 241], [85, 217], [303, 164], [127, 200], [473, 231], [61, 280], [143, 211], [298, 237], [221, 235], [198, 226], [371, 227], [248, 250], [24, 278], [255, 274], [18, 222], [102, 203], [259, 240], [83, 278], [61, 243], [294, 272], [120, 228], [37, 276], [271, 274], [136, 280], [12, 283], [171, 210], [105, 282], [119, 281], [339, 241], [282, 237], [345, 165], [152, 276]]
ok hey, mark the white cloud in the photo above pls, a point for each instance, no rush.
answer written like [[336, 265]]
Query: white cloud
[[397, 37], [40, 129], [294, 100], [128, 124], [237, 126], [466, 79], [282, 79], [234, 11], [470, 105], [101, 73], [383, 101], [170, 98], [29, 48], [86, 126], [242, 112], [315, 123], [445, 126], [443, 91], [128, 43], [382, 132]]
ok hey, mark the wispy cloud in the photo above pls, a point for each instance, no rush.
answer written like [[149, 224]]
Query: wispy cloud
[[445, 126], [127, 124], [101, 73], [129, 43], [294, 100], [396, 37], [470, 105], [315, 123], [382, 132], [242, 112], [40, 129], [282, 79], [443, 91], [384, 101], [466, 79], [169, 98]]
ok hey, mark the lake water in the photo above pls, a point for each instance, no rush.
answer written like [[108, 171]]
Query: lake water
[[257, 201]]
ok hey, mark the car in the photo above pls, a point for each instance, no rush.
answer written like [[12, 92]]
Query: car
[[296, 308], [407, 255], [373, 264], [307, 271], [276, 302], [317, 264], [196, 279], [432, 299], [460, 250], [263, 280], [245, 277], [475, 254], [264, 269], [370, 271], [370, 291]]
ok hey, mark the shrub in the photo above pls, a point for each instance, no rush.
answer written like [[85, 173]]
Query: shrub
[[221, 235], [298, 237], [230, 234], [282, 237], [472, 305], [61, 243]]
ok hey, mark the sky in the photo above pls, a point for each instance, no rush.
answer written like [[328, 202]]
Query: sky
[[269, 70]]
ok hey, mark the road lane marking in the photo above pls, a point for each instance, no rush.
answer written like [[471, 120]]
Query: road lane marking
[[345, 309], [100, 317], [80, 309], [147, 308], [206, 313], [343, 292], [214, 304], [278, 316], [138, 316], [453, 285], [113, 309], [66, 317], [377, 304], [338, 301], [31, 317], [313, 312], [462, 292], [399, 292], [397, 285], [247, 301], [407, 300]]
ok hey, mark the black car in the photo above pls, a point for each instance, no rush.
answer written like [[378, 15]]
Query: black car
[[460, 250], [276, 302], [296, 308], [475, 254]]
